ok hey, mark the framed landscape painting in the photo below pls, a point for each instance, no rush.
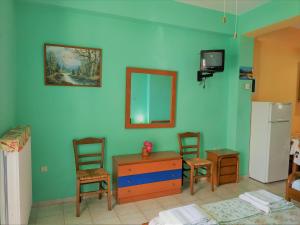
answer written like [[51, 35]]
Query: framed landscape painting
[[72, 66]]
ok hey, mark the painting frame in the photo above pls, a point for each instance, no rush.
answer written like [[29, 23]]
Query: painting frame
[[95, 81]]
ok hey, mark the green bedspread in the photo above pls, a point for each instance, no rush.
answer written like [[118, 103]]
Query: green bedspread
[[237, 211]]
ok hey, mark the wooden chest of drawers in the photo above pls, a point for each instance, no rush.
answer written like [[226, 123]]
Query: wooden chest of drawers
[[136, 178], [226, 165]]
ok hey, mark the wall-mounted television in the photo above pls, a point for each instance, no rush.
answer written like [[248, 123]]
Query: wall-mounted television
[[212, 60]]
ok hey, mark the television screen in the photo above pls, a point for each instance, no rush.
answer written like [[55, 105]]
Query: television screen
[[212, 60]]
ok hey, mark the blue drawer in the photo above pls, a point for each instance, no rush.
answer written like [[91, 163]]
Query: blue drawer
[[145, 178]]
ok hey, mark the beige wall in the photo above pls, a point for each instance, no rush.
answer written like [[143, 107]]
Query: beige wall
[[276, 60]]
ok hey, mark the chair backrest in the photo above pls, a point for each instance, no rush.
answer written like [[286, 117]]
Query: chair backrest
[[95, 158], [186, 149]]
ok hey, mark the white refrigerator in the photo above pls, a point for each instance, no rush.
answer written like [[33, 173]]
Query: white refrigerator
[[270, 141]]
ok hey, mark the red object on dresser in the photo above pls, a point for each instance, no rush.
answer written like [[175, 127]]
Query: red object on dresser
[[138, 178]]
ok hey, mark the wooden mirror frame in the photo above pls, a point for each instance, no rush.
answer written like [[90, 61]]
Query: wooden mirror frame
[[172, 74]]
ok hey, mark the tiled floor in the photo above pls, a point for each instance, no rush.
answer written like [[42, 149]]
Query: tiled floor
[[94, 211]]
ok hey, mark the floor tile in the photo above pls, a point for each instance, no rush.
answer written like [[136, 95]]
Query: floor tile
[[168, 202], [148, 205], [95, 211], [125, 209], [113, 220], [226, 193], [98, 202], [203, 194], [134, 218], [85, 218], [151, 213], [208, 200], [50, 211], [297, 204], [97, 215], [54, 219], [186, 198], [70, 208]]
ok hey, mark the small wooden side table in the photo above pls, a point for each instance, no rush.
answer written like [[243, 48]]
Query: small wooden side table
[[225, 164]]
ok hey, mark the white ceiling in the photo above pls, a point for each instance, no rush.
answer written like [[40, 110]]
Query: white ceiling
[[243, 5]]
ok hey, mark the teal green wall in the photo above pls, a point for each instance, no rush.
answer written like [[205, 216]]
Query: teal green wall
[[243, 125], [59, 114], [232, 100], [151, 34], [169, 12], [7, 65], [239, 103]]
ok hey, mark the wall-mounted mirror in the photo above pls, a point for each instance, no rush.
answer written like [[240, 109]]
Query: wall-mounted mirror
[[150, 98]]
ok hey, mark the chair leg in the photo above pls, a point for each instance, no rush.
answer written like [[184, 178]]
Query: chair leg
[[100, 187], [196, 179], [108, 193], [192, 180], [212, 178], [78, 198]]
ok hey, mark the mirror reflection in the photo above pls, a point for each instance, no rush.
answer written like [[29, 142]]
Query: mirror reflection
[[150, 98]]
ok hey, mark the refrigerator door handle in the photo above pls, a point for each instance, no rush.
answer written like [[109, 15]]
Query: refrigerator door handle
[[279, 121]]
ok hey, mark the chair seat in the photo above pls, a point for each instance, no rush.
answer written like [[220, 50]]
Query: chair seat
[[296, 185], [91, 174], [196, 162]]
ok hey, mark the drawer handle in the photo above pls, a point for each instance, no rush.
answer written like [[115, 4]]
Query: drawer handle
[[173, 164], [129, 191], [129, 169]]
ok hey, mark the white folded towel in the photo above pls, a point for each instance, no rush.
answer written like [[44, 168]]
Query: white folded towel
[[194, 213], [268, 203], [168, 218], [185, 215], [256, 204], [263, 197]]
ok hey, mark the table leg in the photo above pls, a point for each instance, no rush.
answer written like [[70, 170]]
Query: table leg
[[212, 177]]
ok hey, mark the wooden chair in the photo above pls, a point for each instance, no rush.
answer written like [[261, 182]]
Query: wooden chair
[[291, 193], [195, 163], [88, 176]]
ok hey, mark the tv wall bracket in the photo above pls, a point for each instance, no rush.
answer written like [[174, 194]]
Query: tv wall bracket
[[202, 75]]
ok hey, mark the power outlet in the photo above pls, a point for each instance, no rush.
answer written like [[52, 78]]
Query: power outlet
[[44, 169], [247, 86]]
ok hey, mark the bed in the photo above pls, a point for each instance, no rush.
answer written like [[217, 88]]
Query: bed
[[237, 211]]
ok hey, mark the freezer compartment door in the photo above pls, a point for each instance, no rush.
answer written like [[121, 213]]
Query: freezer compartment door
[[280, 112], [279, 151]]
